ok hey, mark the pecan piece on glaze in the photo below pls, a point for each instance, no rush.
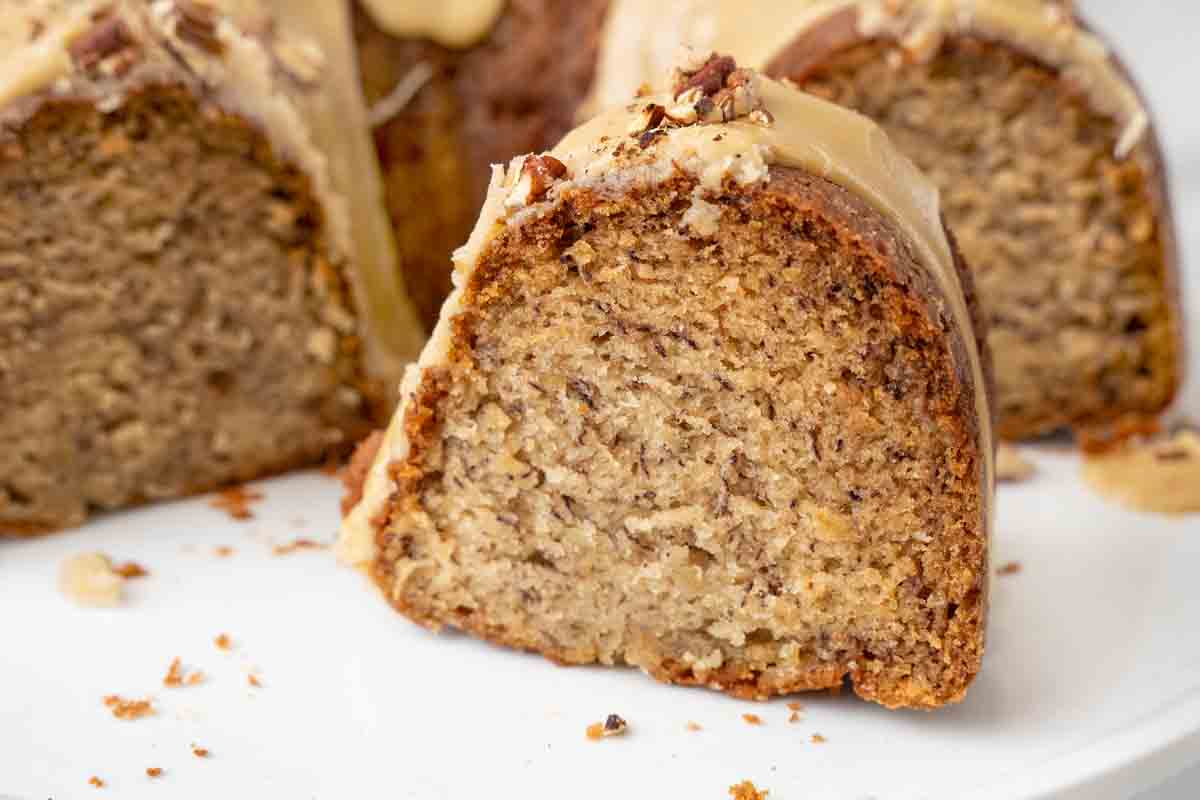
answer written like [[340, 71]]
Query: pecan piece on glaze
[[710, 78], [197, 26], [538, 173]]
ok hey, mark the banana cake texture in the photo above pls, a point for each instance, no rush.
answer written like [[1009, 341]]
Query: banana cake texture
[[197, 281]]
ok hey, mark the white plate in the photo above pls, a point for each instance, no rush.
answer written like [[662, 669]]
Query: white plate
[[1091, 683], [1091, 687]]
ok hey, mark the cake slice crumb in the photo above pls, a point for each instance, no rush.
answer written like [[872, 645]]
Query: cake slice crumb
[[794, 706], [223, 642], [254, 681], [200, 752], [746, 790], [96, 781], [752, 719], [129, 709], [236, 501], [223, 551], [130, 570], [176, 678], [818, 739], [1011, 568], [794, 716], [297, 545], [154, 772], [694, 727]]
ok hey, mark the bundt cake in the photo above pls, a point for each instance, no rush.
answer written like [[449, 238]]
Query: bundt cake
[[455, 86], [1050, 173], [708, 400], [197, 280], [1049, 169]]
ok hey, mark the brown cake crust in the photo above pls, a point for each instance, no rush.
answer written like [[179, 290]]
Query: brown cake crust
[[789, 190], [809, 58], [516, 92]]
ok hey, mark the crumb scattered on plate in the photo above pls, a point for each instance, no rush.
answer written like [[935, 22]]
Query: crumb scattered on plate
[[1011, 568], [298, 544], [88, 579], [694, 727], [746, 790], [752, 719], [95, 781], [130, 570], [794, 706], [223, 551], [1012, 466], [1158, 475], [794, 716], [818, 739], [176, 677], [613, 725], [129, 709], [236, 501], [223, 642], [154, 772], [253, 680], [200, 752]]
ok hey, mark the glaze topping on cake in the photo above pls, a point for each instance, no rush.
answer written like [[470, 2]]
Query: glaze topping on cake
[[452, 23], [639, 40]]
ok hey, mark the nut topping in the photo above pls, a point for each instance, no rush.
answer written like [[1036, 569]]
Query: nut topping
[[538, 174], [710, 78]]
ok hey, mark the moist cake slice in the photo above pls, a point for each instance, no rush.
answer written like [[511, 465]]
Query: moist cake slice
[[197, 280], [707, 400], [1051, 178]]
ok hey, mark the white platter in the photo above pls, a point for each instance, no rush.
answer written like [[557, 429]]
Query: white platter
[[1091, 686]]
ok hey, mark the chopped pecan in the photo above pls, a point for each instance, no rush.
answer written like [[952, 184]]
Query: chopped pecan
[[538, 174], [709, 78]]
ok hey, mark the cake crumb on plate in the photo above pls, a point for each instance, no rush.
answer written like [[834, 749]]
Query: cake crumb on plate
[[154, 772], [746, 790], [752, 719], [1011, 568], [236, 501], [297, 545], [95, 781], [129, 709], [175, 677], [223, 642], [694, 727]]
